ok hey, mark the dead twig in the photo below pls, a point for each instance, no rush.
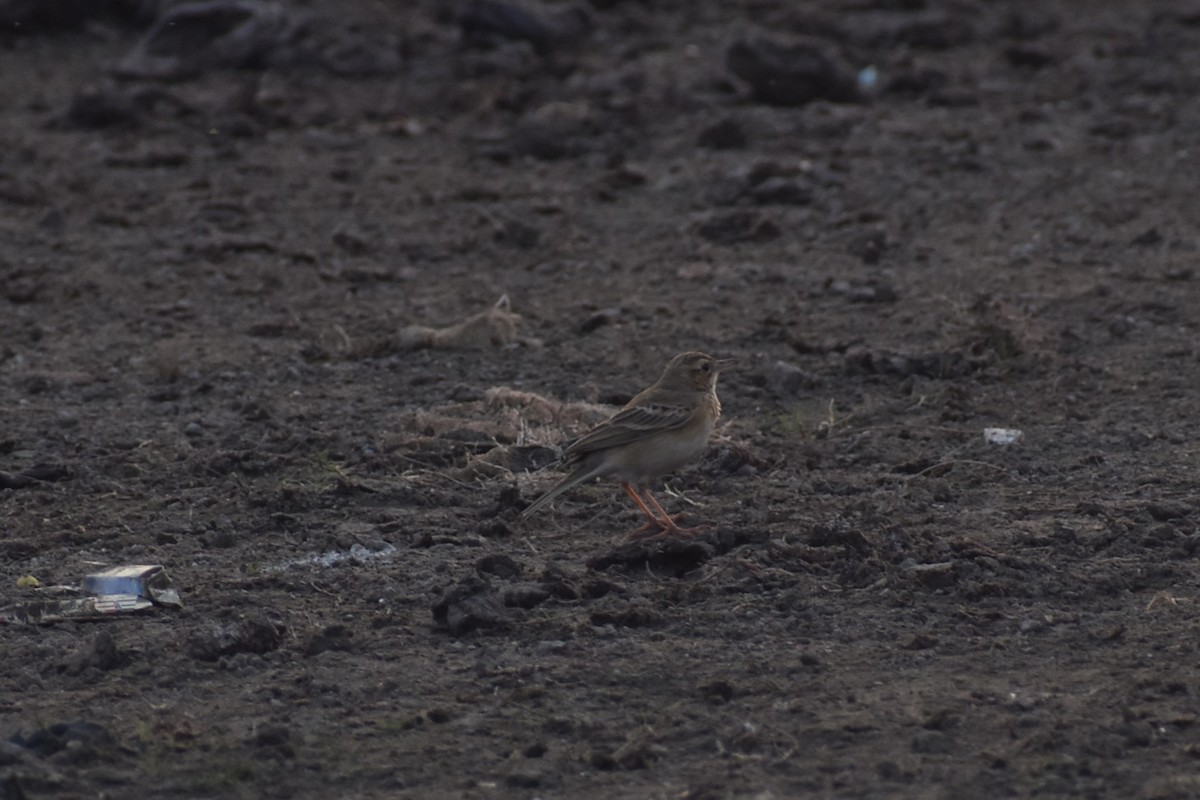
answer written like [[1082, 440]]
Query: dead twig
[[1163, 598], [955, 462]]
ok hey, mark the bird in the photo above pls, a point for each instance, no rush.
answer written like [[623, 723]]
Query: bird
[[662, 428]]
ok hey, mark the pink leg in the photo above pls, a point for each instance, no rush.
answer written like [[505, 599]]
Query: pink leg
[[653, 524], [668, 526]]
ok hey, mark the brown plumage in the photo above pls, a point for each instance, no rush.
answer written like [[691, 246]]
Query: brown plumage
[[658, 431]]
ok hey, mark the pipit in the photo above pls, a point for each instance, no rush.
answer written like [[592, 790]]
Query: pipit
[[658, 431]]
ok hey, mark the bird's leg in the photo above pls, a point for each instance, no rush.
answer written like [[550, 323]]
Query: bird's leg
[[669, 526], [653, 524], [657, 505]]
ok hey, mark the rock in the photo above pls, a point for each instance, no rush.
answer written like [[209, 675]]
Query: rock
[[485, 22], [272, 741], [147, 157], [89, 740], [515, 458], [28, 16], [494, 529], [251, 634], [918, 82], [52, 221], [927, 741], [621, 178], [1138, 734], [669, 556], [942, 365], [1120, 327], [525, 777], [220, 539], [471, 604], [191, 38], [938, 575], [875, 291], [791, 74], [717, 692], [96, 107], [24, 772], [1028, 23], [21, 289], [501, 565], [1028, 56], [556, 130], [343, 50], [352, 240], [780, 191], [729, 459], [789, 380], [22, 191], [737, 227], [1166, 510], [728, 134], [765, 183], [525, 595], [870, 247], [520, 235], [599, 319], [331, 637], [100, 653], [921, 640], [931, 32], [38, 473], [1147, 238]]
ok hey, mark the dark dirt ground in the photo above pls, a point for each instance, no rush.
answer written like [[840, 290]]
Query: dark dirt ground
[[205, 284]]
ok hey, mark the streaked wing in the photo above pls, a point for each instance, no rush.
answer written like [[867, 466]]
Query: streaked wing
[[629, 425]]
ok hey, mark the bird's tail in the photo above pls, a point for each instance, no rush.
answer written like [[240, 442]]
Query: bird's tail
[[583, 473]]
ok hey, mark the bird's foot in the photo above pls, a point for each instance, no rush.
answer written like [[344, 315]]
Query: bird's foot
[[656, 533], [643, 531]]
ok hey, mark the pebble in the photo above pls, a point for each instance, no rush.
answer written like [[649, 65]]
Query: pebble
[[555, 130], [791, 74], [789, 379], [727, 134], [525, 777], [739, 226], [931, 742], [483, 22], [780, 191]]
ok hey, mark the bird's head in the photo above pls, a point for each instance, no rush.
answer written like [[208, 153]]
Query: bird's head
[[694, 370]]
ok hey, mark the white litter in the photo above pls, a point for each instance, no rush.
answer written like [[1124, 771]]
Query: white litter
[[1003, 436], [357, 552]]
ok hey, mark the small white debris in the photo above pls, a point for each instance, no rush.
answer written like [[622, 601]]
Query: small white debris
[[357, 552], [1003, 436]]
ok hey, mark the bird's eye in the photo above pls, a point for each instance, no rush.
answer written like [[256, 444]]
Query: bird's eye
[[706, 367]]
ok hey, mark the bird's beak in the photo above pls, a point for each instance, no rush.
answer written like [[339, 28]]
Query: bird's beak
[[726, 363]]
